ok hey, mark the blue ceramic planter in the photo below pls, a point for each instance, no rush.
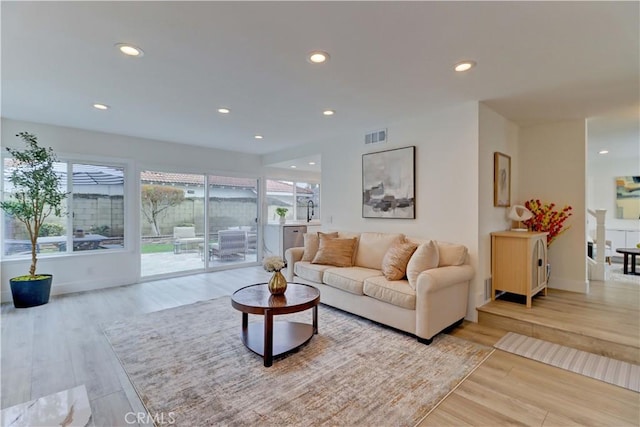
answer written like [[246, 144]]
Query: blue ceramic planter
[[31, 293]]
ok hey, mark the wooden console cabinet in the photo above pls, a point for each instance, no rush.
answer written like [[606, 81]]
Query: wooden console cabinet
[[518, 263]]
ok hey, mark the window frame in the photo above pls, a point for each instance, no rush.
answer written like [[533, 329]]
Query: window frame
[[69, 160]]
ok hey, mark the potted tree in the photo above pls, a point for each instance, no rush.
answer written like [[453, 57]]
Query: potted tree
[[36, 194]]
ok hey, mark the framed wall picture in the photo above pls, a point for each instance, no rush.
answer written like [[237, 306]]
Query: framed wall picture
[[627, 197], [501, 179], [388, 184]]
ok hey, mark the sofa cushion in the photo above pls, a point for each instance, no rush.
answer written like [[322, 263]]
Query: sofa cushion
[[424, 258], [308, 271], [335, 251], [311, 243], [451, 254], [348, 279], [394, 263], [396, 292], [373, 246]]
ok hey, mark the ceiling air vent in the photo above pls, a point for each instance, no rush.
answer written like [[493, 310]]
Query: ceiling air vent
[[376, 137]]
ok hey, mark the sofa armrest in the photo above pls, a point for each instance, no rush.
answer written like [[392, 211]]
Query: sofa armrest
[[292, 255], [441, 298], [432, 280]]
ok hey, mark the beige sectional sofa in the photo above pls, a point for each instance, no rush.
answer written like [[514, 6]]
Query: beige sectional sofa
[[431, 297]]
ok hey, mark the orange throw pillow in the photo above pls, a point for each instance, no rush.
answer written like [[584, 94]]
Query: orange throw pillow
[[334, 251], [312, 242], [394, 263]]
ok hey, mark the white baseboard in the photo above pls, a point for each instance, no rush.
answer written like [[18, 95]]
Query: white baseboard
[[68, 288]]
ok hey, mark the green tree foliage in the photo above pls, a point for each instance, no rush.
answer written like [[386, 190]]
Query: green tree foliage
[[36, 193], [49, 229], [156, 199]]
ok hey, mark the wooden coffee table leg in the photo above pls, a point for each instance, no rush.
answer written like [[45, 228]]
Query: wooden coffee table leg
[[268, 338], [245, 322], [315, 319]]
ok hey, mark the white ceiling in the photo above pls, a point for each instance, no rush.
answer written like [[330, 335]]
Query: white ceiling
[[537, 61], [618, 133]]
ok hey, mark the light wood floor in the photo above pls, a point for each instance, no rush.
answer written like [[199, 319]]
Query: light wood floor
[[605, 321], [511, 390], [60, 345]]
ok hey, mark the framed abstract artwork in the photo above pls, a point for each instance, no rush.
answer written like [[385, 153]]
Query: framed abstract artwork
[[388, 184], [627, 197], [501, 179]]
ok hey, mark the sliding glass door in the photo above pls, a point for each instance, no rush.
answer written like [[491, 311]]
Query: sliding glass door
[[172, 222], [233, 220], [191, 222]]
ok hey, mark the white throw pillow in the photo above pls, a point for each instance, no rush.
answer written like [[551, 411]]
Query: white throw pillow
[[451, 254], [424, 258]]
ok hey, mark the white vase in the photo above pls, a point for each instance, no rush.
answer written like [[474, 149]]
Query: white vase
[[282, 220]]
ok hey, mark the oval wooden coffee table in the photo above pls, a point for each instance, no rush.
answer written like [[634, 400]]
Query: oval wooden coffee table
[[269, 338]]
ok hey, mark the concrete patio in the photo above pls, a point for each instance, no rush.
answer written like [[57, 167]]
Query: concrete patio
[[167, 262]]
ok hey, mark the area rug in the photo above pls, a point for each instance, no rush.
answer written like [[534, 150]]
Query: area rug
[[616, 274], [602, 368], [189, 364]]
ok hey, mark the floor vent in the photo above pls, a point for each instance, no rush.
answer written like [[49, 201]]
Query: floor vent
[[376, 137]]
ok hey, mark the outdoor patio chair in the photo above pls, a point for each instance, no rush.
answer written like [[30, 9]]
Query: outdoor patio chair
[[230, 243], [183, 237], [252, 236]]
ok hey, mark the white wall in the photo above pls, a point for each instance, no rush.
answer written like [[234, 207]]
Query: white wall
[[495, 134], [145, 153], [552, 168], [90, 270], [446, 181]]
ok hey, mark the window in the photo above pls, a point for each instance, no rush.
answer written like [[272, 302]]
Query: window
[[95, 206], [302, 200], [98, 207], [307, 201]]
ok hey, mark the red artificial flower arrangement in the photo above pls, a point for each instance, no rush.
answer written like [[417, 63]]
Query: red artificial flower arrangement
[[545, 218]]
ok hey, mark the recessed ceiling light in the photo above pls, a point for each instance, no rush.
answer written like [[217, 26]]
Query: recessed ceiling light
[[258, 136], [328, 112], [224, 110], [603, 152], [100, 107], [293, 166], [130, 50], [318, 57], [464, 66], [312, 163]]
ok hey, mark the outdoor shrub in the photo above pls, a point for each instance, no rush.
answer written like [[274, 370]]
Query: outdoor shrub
[[48, 229], [101, 229]]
